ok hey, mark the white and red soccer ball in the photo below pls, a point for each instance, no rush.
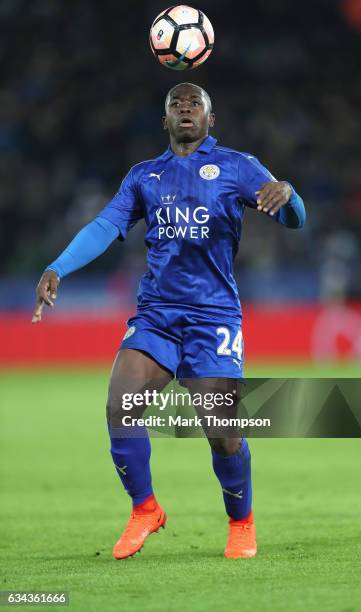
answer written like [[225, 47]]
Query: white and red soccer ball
[[181, 37]]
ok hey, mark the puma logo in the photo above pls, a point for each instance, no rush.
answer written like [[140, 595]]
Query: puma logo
[[239, 495], [121, 470], [154, 175]]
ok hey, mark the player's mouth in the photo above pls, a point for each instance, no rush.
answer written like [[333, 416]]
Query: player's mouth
[[186, 123]]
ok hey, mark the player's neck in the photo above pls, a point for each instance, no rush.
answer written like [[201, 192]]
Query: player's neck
[[185, 148]]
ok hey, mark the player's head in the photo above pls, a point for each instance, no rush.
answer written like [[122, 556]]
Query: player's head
[[188, 113]]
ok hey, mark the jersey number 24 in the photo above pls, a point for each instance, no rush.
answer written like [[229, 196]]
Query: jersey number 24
[[237, 344]]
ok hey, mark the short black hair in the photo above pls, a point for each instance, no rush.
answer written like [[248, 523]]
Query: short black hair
[[203, 91]]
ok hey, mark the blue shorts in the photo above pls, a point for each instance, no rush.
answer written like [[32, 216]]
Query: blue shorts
[[190, 342]]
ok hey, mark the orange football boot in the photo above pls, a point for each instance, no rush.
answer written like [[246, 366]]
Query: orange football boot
[[145, 519], [241, 539]]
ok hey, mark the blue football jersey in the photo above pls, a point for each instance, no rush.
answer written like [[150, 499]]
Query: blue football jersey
[[193, 208]]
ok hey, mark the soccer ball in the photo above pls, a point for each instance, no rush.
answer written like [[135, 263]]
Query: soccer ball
[[181, 37]]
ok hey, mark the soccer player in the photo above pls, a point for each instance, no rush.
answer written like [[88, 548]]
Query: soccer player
[[188, 322]]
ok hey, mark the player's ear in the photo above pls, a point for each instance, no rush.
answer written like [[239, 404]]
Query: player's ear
[[211, 119], [164, 122]]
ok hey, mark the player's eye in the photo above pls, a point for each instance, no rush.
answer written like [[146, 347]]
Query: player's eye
[[196, 103]]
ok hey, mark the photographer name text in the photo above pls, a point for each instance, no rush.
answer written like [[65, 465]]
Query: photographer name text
[[180, 421]]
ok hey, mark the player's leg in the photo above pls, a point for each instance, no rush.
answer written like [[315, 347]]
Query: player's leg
[[231, 461], [230, 453], [212, 361], [134, 372]]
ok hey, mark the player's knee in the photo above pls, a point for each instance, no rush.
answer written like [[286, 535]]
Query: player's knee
[[225, 446], [112, 411], [115, 407], [120, 404]]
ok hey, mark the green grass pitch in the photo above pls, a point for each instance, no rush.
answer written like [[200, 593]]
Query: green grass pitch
[[63, 507]]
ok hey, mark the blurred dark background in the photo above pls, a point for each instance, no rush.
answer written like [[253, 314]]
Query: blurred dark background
[[81, 98]]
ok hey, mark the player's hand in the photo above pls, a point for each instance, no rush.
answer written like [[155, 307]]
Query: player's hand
[[272, 196], [45, 293]]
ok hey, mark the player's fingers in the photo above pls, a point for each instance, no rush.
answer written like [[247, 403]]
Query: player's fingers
[[264, 193], [281, 199], [275, 209], [262, 190], [43, 293], [271, 195], [262, 187], [267, 185], [271, 202], [53, 287], [261, 199], [37, 312]]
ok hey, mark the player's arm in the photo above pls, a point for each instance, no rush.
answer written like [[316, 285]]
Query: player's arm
[[114, 221], [260, 190], [280, 201], [87, 245]]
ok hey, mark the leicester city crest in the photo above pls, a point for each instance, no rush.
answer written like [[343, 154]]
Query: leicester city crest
[[209, 172]]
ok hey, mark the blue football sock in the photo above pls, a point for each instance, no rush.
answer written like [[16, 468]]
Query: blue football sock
[[234, 474], [131, 456]]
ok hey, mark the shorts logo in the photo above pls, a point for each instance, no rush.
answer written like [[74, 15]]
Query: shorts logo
[[129, 332], [209, 172]]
